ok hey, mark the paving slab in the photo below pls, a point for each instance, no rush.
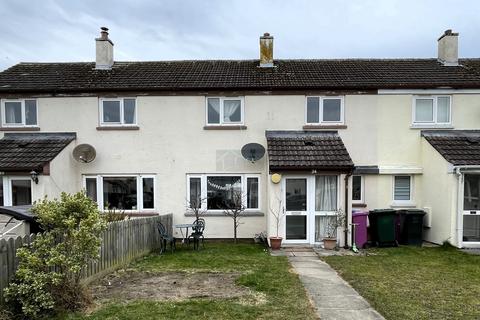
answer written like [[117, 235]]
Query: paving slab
[[333, 297]]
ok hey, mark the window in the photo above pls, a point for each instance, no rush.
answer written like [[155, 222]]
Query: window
[[132, 193], [15, 191], [225, 111], [118, 112], [326, 193], [357, 189], [402, 188], [324, 110], [220, 192], [432, 110], [19, 113]]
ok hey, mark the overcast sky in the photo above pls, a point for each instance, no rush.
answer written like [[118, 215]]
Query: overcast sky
[[55, 30]]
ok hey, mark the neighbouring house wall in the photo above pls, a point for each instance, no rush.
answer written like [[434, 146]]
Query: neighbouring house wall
[[439, 196], [172, 143]]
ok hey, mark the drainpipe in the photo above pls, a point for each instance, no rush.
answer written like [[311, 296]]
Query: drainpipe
[[459, 209], [347, 176]]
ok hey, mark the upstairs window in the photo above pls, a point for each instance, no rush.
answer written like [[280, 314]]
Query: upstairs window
[[118, 112], [225, 111], [324, 110], [432, 110], [19, 113]]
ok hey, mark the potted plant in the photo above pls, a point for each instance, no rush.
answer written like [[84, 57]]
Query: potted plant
[[278, 214], [335, 222]]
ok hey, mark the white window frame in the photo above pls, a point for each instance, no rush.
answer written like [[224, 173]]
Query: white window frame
[[434, 99], [321, 121], [122, 113], [403, 202], [203, 184], [139, 177], [362, 189], [7, 188], [3, 114], [221, 123]]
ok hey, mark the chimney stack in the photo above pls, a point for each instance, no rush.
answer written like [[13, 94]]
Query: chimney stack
[[266, 51], [448, 48], [104, 51]]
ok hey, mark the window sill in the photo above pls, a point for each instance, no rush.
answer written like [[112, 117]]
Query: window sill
[[222, 214], [106, 128], [20, 129], [406, 204], [225, 127], [359, 205], [431, 126], [324, 126]]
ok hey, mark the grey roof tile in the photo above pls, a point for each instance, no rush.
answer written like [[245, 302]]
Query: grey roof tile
[[304, 150], [31, 151], [459, 147]]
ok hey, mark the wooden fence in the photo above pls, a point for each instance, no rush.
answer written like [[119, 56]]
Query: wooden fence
[[122, 242]]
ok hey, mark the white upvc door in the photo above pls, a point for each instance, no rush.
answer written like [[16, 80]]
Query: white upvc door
[[305, 219], [17, 190], [471, 210], [298, 202]]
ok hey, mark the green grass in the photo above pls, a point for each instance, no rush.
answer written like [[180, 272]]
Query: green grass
[[415, 283], [267, 275]]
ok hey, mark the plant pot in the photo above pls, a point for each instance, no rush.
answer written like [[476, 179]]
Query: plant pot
[[329, 243], [275, 242]]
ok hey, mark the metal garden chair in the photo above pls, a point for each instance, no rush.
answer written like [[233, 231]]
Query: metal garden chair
[[165, 238], [197, 234]]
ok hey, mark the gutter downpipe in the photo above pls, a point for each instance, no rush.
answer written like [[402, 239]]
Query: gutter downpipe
[[347, 176]]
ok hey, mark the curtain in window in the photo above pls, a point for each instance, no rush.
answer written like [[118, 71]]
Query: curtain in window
[[13, 112], [231, 111], [326, 193], [402, 188], [424, 110]]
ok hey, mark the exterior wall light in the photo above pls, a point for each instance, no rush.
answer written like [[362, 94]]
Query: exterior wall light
[[34, 176]]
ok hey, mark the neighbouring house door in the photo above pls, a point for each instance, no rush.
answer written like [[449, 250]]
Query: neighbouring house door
[[16, 191], [471, 208], [296, 209]]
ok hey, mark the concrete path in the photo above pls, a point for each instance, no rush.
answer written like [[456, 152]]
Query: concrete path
[[333, 297]]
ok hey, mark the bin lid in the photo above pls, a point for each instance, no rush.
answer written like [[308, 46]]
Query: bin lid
[[359, 213], [383, 211], [415, 211]]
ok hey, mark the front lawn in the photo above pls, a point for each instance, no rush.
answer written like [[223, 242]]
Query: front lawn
[[274, 292], [415, 283]]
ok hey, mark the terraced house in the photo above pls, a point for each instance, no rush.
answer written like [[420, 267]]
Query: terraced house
[[338, 134]]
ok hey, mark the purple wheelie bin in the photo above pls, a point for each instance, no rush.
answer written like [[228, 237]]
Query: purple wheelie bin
[[359, 218]]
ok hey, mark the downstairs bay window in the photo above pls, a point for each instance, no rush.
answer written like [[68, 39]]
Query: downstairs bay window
[[122, 192], [219, 192]]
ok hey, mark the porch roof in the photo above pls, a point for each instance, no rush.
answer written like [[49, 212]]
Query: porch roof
[[459, 147], [306, 150], [31, 151]]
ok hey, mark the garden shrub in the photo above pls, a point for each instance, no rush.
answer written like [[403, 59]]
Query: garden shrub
[[50, 269]]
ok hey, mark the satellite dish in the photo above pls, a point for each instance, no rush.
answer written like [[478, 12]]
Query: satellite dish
[[84, 153], [253, 151]]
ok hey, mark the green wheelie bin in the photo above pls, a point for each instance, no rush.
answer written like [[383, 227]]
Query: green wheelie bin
[[382, 227]]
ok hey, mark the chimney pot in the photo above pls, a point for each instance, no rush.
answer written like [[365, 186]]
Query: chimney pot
[[104, 50], [266, 51], [448, 48]]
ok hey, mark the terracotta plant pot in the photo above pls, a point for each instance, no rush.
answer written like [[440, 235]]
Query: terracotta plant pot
[[329, 243], [275, 242]]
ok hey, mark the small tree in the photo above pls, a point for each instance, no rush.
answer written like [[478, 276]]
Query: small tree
[[278, 213], [195, 206], [50, 269], [335, 222], [235, 209]]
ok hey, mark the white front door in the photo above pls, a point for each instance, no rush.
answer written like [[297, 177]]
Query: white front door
[[310, 204], [471, 209], [15, 191]]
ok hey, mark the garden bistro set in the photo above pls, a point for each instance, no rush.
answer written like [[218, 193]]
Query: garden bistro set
[[197, 227]]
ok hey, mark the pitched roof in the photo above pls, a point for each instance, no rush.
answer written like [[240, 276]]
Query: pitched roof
[[303, 150], [347, 74], [459, 147], [31, 151]]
